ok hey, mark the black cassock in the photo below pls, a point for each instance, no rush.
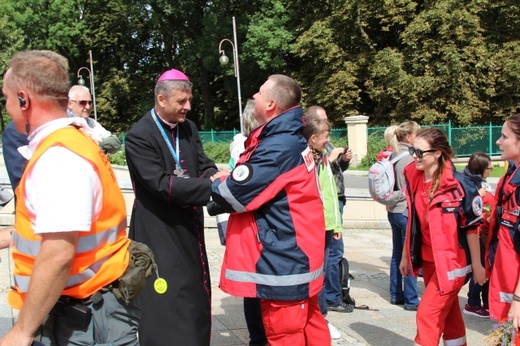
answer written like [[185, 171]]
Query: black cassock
[[168, 217]]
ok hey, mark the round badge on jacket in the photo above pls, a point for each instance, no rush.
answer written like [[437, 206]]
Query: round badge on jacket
[[476, 205], [242, 173]]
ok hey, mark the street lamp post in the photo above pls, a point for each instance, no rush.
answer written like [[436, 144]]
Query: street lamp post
[[224, 60], [81, 81]]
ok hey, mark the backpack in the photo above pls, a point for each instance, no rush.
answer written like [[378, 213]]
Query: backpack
[[344, 280], [381, 179]]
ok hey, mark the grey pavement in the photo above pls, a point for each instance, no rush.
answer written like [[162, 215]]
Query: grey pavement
[[368, 251]]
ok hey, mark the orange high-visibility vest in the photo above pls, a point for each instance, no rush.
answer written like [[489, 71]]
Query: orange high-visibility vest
[[102, 253]]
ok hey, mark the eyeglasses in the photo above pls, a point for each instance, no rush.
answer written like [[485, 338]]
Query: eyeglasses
[[418, 152], [83, 103], [489, 169]]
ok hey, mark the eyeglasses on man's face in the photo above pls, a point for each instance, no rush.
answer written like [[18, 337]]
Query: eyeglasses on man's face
[[418, 152], [82, 103]]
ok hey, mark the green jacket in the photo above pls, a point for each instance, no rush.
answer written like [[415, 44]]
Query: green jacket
[[329, 196]]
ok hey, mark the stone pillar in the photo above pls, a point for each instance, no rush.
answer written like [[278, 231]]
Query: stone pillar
[[357, 137]]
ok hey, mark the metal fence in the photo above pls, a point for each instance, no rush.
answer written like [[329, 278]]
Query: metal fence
[[227, 136], [464, 140]]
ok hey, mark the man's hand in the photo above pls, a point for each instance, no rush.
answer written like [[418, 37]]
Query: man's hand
[[347, 155], [222, 173], [403, 266], [335, 153], [16, 337], [6, 237], [479, 274]]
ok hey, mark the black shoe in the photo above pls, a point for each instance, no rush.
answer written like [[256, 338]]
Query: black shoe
[[410, 307], [397, 302], [342, 307]]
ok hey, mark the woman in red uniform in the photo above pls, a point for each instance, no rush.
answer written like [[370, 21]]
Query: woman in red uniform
[[444, 211], [504, 238]]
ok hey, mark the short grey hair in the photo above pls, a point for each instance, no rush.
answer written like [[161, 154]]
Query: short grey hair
[[286, 92], [75, 88], [166, 87], [249, 123]]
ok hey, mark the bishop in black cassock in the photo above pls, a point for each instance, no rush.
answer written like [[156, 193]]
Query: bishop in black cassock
[[168, 217]]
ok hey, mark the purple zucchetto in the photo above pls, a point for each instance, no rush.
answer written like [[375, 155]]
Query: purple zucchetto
[[173, 74]]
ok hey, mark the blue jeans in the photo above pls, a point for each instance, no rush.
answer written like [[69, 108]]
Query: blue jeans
[[398, 223], [332, 282], [322, 300], [334, 251], [475, 291]]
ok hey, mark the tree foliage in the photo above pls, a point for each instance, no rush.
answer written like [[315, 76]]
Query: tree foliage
[[392, 60]]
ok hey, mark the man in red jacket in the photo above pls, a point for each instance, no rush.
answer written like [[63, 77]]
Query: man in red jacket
[[271, 252]]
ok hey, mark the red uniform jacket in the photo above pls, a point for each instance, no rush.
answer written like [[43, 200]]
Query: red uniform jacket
[[275, 237], [452, 212], [503, 255]]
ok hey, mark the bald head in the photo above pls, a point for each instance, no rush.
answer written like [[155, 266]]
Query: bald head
[[315, 112]]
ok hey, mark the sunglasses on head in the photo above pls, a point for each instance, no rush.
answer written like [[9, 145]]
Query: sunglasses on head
[[418, 152], [83, 103]]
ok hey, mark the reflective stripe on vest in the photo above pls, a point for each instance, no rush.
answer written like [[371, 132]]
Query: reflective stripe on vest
[[85, 243], [273, 280], [22, 282], [459, 273]]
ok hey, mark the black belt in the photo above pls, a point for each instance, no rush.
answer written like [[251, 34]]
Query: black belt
[[93, 299]]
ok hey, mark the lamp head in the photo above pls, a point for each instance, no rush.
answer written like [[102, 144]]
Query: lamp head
[[81, 81], [223, 58]]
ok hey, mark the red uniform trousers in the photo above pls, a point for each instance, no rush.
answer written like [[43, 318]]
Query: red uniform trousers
[[439, 314], [294, 323]]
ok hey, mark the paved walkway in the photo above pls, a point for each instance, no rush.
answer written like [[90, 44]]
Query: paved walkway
[[368, 251]]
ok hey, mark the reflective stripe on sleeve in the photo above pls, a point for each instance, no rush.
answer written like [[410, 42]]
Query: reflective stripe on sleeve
[[506, 297], [228, 196], [459, 273], [455, 342]]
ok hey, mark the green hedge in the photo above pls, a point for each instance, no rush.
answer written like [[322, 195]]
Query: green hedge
[[217, 151]]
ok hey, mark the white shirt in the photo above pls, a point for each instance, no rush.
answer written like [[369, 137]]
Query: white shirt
[[63, 192]]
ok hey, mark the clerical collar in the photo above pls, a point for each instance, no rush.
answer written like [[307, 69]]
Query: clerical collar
[[171, 125]]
